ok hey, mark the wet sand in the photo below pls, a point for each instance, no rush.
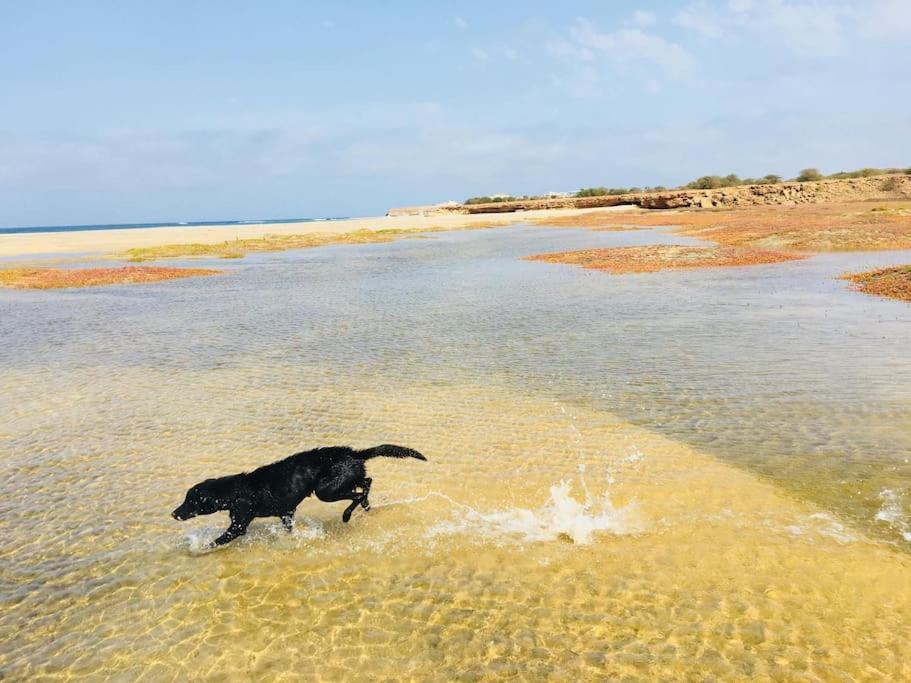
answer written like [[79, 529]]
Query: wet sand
[[120, 240]]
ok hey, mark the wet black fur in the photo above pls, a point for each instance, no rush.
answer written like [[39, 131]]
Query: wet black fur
[[334, 473]]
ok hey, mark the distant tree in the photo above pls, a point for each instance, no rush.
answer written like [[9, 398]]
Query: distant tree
[[731, 179], [706, 182], [601, 191], [771, 179], [809, 174], [592, 192]]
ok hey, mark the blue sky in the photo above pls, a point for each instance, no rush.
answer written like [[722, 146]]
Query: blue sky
[[136, 111]]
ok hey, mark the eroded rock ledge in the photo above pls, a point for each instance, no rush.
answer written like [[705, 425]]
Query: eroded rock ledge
[[852, 189]]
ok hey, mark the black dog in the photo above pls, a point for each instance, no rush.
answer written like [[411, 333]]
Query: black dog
[[275, 490]]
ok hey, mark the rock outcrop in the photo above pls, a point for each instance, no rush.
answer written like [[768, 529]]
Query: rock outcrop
[[850, 189]]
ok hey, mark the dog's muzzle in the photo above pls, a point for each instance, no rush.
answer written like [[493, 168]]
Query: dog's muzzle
[[179, 517]]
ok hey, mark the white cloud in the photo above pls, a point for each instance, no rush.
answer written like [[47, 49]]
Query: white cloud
[[593, 57], [698, 17], [480, 54], [566, 50], [815, 28], [631, 49], [460, 23]]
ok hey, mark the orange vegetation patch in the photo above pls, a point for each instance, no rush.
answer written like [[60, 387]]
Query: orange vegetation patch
[[894, 282], [55, 278], [846, 226], [653, 258], [609, 221]]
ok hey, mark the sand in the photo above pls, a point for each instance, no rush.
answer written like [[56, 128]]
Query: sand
[[652, 258], [119, 240], [54, 278], [835, 226], [892, 283]]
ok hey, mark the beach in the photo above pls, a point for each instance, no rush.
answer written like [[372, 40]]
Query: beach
[[119, 240]]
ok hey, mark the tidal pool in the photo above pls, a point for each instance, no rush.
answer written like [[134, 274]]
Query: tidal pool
[[672, 475]]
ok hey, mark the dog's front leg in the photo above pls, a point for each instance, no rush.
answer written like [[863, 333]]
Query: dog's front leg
[[240, 520]]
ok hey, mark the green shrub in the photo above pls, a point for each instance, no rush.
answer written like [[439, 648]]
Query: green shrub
[[706, 182], [592, 192], [601, 191], [484, 199], [809, 174]]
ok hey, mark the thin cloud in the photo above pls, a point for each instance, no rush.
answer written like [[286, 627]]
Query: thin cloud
[[815, 28], [626, 50]]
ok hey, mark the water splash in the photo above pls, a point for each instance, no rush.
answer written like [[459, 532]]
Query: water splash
[[893, 514], [199, 541], [562, 517]]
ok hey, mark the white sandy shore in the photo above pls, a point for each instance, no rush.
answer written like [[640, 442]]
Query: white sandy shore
[[118, 240]]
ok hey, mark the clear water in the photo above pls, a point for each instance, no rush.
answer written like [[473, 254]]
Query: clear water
[[676, 474]]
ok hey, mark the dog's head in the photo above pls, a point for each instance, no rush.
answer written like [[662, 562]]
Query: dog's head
[[202, 499]]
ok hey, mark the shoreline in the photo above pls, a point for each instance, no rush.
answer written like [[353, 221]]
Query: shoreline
[[117, 240]]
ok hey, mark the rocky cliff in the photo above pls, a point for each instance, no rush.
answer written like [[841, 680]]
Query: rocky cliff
[[851, 189]]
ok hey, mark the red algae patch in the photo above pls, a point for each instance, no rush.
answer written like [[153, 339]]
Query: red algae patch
[[653, 258], [56, 278], [842, 226], [894, 282]]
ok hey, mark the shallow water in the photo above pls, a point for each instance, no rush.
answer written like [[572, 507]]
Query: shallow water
[[670, 475]]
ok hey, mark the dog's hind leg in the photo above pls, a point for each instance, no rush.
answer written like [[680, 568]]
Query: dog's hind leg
[[366, 486], [346, 515], [355, 498], [330, 494], [288, 520]]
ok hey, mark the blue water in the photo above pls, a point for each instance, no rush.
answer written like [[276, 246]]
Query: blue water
[[130, 226]]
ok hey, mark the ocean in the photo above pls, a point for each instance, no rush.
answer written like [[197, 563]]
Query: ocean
[[187, 224]]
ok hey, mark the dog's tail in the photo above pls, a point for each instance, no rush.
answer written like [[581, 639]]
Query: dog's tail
[[389, 451]]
